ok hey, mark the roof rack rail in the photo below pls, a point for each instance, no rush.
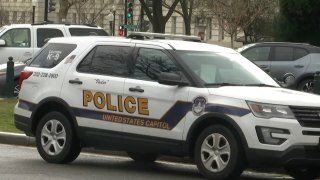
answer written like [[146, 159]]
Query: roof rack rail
[[145, 35], [67, 24]]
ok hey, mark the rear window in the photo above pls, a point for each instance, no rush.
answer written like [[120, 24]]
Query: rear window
[[87, 32], [52, 54]]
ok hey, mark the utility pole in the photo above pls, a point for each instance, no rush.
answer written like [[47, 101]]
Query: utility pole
[[125, 17]]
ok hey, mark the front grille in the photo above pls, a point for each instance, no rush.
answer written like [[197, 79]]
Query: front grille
[[307, 116]]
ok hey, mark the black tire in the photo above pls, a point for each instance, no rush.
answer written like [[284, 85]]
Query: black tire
[[63, 147], [306, 85], [142, 157], [232, 164], [303, 172]]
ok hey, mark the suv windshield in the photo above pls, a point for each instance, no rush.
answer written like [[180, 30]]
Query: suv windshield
[[87, 32], [225, 69]]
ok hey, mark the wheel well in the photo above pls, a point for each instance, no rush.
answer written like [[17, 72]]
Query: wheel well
[[46, 108], [204, 123], [303, 79]]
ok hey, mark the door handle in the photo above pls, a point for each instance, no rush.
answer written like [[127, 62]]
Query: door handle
[[27, 54], [136, 89], [299, 66], [75, 81]]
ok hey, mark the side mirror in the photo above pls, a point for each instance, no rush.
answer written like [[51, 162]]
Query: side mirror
[[2, 43], [171, 79]]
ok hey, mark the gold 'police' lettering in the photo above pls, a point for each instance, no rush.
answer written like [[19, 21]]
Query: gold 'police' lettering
[[129, 103], [143, 106], [109, 105], [120, 105], [130, 100], [87, 97], [99, 100]]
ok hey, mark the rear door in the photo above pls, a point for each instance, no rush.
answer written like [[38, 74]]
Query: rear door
[[18, 45], [155, 113], [93, 87], [288, 60], [260, 55]]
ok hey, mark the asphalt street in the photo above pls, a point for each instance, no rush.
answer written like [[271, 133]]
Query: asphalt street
[[20, 162]]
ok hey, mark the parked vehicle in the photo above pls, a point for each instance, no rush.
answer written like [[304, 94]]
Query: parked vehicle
[[166, 97], [22, 41], [293, 64]]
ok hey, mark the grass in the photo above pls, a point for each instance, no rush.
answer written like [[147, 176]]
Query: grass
[[6, 115]]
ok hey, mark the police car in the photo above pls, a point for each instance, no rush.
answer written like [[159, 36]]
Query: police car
[[166, 97]]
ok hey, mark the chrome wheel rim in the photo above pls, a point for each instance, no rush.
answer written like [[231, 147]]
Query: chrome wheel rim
[[308, 87], [215, 152], [53, 137]]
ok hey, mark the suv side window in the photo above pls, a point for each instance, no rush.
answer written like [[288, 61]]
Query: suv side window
[[106, 60], [283, 54], [299, 53], [52, 54], [19, 37], [151, 62], [44, 34], [257, 54]]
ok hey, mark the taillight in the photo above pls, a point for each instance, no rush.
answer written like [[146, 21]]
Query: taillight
[[23, 76]]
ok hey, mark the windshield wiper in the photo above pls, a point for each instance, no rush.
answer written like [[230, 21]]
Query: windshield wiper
[[222, 84], [260, 85]]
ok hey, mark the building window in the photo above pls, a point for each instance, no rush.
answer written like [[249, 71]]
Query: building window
[[14, 17], [209, 28]]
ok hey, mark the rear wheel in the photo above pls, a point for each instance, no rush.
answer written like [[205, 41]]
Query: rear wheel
[[142, 157], [56, 140], [218, 154], [303, 172]]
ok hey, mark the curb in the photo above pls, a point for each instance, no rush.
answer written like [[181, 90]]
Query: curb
[[16, 139]]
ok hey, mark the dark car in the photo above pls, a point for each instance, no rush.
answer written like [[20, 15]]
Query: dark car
[[18, 67], [293, 64]]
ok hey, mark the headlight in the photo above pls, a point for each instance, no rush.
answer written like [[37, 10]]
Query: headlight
[[270, 110]]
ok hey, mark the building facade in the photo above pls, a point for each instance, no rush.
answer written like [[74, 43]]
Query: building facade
[[109, 14]]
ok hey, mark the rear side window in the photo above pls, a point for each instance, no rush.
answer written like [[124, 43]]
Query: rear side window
[[299, 53], [106, 60], [52, 54], [87, 32], [44, 34]]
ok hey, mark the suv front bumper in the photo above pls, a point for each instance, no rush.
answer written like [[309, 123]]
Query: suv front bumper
[[294, 155]]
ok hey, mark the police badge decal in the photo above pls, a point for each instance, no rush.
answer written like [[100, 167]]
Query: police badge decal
[[198, 105]]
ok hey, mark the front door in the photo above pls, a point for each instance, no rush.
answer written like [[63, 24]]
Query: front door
[[153, 109]]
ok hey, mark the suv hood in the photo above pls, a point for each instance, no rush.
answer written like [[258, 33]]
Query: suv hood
[[269, 95]]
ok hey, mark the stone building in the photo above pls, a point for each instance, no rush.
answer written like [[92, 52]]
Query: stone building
[[101, 13]]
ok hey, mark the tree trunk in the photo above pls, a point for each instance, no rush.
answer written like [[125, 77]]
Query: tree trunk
[[232, 37], [63, 12], [187, 26]]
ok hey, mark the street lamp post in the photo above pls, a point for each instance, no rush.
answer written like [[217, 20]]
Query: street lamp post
[[34, 3], [114, 20]]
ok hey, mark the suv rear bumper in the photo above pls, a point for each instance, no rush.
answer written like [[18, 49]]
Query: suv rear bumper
[[293, 155], [23, 123]]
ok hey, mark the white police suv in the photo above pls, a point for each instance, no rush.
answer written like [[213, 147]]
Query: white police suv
[[166, 97]]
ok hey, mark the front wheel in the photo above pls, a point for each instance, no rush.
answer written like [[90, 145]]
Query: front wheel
[[56, 140], [218, 154], [303, 172]]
